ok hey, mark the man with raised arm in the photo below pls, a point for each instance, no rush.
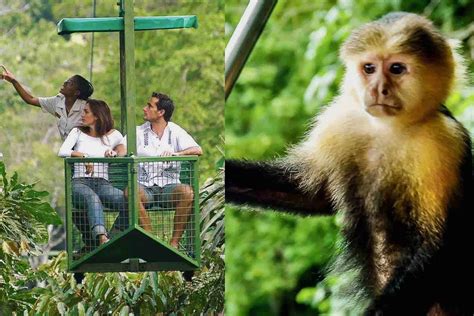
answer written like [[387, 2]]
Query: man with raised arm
[[67, 106]]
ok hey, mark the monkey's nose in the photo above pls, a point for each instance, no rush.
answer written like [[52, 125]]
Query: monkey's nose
[[385, 91]]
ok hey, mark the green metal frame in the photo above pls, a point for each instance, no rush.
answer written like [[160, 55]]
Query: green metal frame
[[69, 223], [116, 24], [197, 215], [134, 243]]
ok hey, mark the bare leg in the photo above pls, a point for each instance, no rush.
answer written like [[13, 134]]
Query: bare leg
[[183, 195], [143, 218]]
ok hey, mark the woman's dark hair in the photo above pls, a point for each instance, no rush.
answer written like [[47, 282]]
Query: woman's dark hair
[[85, 87], [104, 122], [164, 103]]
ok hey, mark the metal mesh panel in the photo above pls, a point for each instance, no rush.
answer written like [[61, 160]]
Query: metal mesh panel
[[96, 202], [166, 197], [98, 191]]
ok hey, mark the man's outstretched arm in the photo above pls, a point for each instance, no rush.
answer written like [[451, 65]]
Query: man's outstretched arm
[[22, 92]]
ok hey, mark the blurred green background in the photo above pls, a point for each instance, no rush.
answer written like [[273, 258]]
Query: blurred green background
[[274, 262], [186, 64]]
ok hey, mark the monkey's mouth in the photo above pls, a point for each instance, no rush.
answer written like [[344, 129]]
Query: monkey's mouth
[[378, 109], [389, 106]]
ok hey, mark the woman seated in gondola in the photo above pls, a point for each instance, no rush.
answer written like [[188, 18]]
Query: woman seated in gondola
[[91, 190]]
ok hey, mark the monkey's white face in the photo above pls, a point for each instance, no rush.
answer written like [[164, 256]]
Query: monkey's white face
[[385, 82]]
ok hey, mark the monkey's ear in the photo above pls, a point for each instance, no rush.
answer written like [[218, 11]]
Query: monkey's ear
[[461, 77], [268, 185]]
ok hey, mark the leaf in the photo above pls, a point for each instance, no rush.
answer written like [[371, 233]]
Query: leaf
[[44, 213], [61, 308], [3, 173], [100, 286], [36, 194], [124, 311], [144, 284], [153, 275], [80, 309], [43, 305], [14, 180]]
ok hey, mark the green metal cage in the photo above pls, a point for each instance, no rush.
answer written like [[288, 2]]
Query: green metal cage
[[115, 197]]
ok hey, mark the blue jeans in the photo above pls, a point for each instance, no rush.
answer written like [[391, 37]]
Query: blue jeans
[[92, 195]]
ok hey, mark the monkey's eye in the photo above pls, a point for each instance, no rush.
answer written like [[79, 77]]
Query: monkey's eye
[[397, 68], [369, 68]]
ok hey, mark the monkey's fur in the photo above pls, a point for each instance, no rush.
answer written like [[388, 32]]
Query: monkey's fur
[[391, 158]]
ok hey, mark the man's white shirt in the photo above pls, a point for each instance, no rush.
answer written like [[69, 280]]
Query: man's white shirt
[[174, 139]]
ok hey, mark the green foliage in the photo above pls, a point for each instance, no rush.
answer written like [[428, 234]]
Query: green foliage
[[266, 255], [205, 292], [292, 72], [23, 219], [23, 212], [145, 293], [15, 280], [212, 212]]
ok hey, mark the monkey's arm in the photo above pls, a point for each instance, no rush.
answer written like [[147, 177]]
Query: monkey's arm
[[266, 184]]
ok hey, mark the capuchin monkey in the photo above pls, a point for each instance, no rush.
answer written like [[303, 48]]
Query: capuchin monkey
[[392, 160]]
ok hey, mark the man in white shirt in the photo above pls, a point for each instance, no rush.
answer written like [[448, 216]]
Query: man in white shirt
[[67, 106], [159, 181]]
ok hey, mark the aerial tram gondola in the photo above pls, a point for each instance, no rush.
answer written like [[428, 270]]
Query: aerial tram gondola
[[133, 246]]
